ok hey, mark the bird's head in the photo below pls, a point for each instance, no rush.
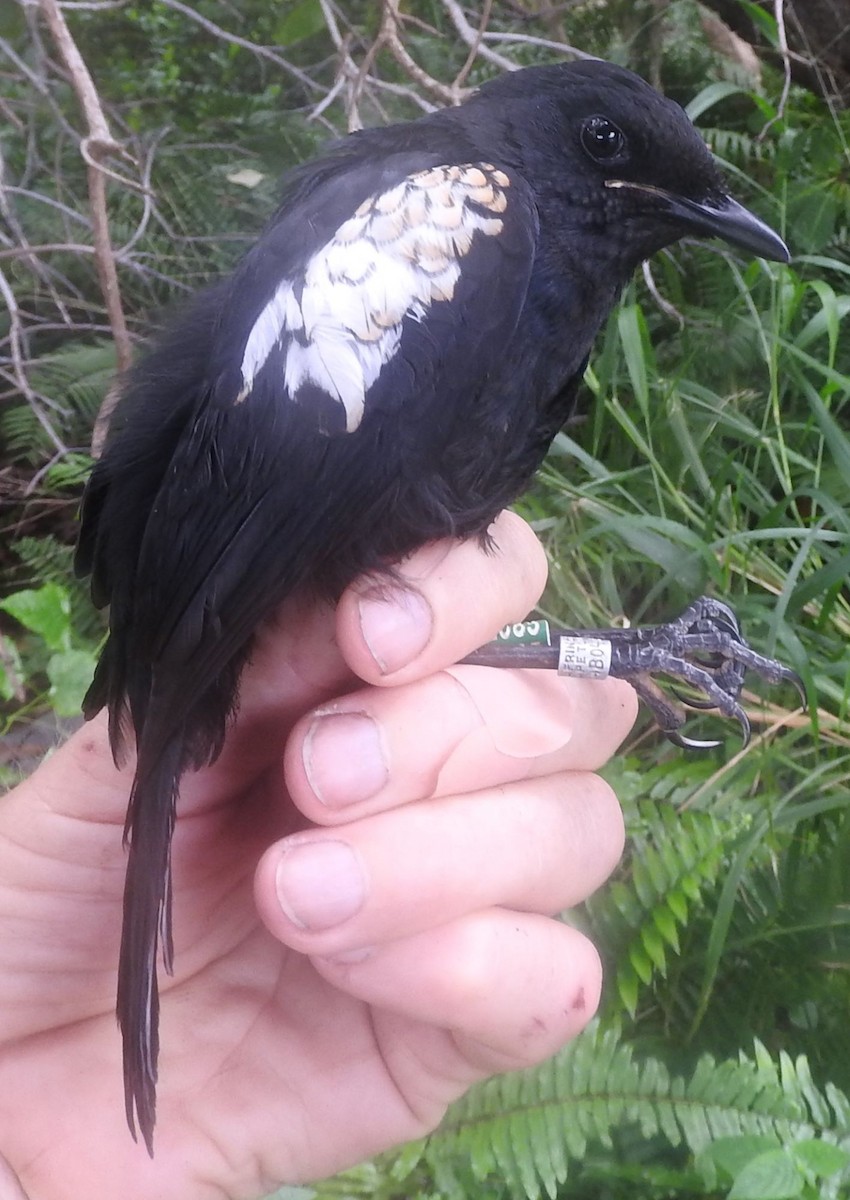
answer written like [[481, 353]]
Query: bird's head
[[626, 160]]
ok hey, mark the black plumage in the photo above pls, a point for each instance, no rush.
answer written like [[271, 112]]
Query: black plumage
[[387, 365]]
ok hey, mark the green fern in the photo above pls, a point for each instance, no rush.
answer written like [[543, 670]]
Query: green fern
[[637, 919], [533, 1128]]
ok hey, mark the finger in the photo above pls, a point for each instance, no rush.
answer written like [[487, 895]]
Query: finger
[[456, 731], [10, 1186], [540, 847], [511, 987], [306, 652], [447, 599]]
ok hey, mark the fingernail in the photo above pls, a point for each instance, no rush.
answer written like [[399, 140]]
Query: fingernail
[[344, 758], [319, 884], [396, 626]]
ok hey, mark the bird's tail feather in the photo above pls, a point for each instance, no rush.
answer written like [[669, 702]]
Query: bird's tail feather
[[147, 921]]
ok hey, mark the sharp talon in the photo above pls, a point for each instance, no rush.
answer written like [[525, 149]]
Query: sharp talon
[[691, 702], [793, 678], [687, 743], [746, 728]]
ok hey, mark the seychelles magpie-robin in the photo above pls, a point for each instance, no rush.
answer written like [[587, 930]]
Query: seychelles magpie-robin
[[387, 365]]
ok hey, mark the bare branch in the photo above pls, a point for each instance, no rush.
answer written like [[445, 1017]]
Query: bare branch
[[782, 41], [663, 303], [16, 337], [19, 375], [91, 5], [46, 248], [543, 43], [390, 37], [462, 74], [470, 37], [94, 148], [65, 209]]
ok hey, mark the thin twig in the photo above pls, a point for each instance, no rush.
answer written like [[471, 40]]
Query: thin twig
[[95, 146], [543, 43], [50, 201], [390, 37], [463, 73], [662, 302], [148, 199], [348, 74], [46, 248], [782, 38], [470, 37], [17, 347], [91, 5]]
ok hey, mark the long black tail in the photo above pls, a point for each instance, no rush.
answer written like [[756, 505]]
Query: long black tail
[[147, 919]]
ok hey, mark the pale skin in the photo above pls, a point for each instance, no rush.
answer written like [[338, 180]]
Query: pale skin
[[365, 884]]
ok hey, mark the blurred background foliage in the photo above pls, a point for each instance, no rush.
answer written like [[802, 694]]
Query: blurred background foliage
[[711, 454]]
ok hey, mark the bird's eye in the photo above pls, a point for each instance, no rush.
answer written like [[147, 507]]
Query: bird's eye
[[602, 139]]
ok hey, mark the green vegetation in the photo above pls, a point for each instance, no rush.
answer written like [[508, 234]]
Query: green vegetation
[[712, 454]]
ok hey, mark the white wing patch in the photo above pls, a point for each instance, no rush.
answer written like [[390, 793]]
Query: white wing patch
[[401, 252]]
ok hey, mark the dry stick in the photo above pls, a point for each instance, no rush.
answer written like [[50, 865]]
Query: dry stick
[[471, 37], [663, 303], [390, 37], [348, 75], [463, 73], [94, 147], [19, 377], [528, 39], [782, 39]]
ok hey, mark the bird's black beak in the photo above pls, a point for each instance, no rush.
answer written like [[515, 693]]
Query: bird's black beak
[[722, 217]]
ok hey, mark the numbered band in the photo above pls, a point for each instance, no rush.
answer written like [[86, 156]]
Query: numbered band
[[587, 657], [525, 633]]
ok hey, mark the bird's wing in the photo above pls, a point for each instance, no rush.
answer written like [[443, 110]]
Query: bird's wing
[[334, 371], [422, 261]]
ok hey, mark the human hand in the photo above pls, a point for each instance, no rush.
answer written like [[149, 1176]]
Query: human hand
[[458, 813]]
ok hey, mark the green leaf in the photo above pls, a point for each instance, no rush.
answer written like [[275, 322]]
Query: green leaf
[[770, 1176], [70, 673], [302, 21], [641, 963], [732, 1154], [633, 335], [665, 923], [677, 902], [45, 611], [711, 95], [822, 1158], [653, 944], [834, 436], [765, 21], [628, 986]]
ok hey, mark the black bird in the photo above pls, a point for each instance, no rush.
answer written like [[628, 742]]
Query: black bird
[[387, 365]]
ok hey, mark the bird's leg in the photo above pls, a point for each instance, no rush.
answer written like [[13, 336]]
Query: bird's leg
[[703, 648]]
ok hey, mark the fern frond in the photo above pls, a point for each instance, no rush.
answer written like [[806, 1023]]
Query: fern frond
[[672, 856], [531, 1128]]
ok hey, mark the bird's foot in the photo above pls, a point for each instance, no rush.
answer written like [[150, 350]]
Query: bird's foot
[[703, 649]]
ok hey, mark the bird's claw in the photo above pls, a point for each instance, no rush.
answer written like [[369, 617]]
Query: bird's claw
[[703, 648]]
